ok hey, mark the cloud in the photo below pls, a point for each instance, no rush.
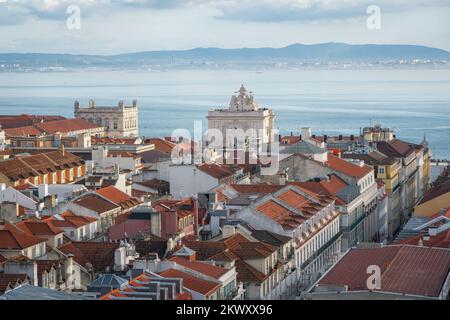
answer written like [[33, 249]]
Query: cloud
[[311, 10], [16, 11]]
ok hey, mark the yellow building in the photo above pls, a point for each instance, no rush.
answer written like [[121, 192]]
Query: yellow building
[[437, 198]]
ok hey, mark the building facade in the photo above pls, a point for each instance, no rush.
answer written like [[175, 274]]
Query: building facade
[[243, 114], [119, 121]]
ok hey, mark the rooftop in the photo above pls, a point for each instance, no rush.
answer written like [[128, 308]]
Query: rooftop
[[95, 203], [191, 282], [13, 238], [411, 270], [348, 168]]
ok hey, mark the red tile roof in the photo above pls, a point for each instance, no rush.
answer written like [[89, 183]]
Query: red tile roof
[[205, 268], [118, 197], [410, 270], [217, 171], [96, 203], [70, 220], [23, 131], [286, 218], [330, 187], [36, 227], [23, 167], [98, 254], [191, 282], [14, 121], [13, 238], [247, 273], [52, 127], [347, 168], [162, 145]]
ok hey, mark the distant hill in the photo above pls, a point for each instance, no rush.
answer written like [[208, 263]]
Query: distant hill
[[316, 52]]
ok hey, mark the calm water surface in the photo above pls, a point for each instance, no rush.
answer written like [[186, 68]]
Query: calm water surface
[[412, 102]]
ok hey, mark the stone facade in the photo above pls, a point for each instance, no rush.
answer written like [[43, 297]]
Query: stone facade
[[243, 113], [119, 121]]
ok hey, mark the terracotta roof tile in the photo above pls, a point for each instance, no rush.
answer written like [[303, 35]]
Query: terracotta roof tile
[[410, 270], [38, 228], [347, 167], [118, 197], [96, 203], [14, 238], [191, 282], [98, 254], [70, 220], [205, 268]]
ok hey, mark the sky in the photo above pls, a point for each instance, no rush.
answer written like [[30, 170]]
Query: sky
[[120, 26]]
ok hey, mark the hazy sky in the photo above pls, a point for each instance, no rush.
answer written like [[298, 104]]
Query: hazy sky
[[116, 26]]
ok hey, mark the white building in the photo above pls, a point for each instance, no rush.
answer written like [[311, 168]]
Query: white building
[[120, 121], [245, 114]]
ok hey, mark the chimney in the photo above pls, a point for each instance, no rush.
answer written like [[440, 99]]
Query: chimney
[[77, 105], [70, 279], [228, 231], [282, 178], [62, 149], [50, 201], [91, 104], [120, 258]]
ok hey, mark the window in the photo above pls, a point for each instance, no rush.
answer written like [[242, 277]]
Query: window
[[115, 125], [381, 170]]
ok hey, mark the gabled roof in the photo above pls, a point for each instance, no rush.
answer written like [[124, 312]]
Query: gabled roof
[[409, 270], [331, 186], [95, 203], [216, 170], [46, 265], [347, 168], [118, 197], [246, 273], [98, 254], [23, 167], [191, 282], [13, 238], [36, 227], [201, 267], [162, 145], [69, 219], [396, 148]]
